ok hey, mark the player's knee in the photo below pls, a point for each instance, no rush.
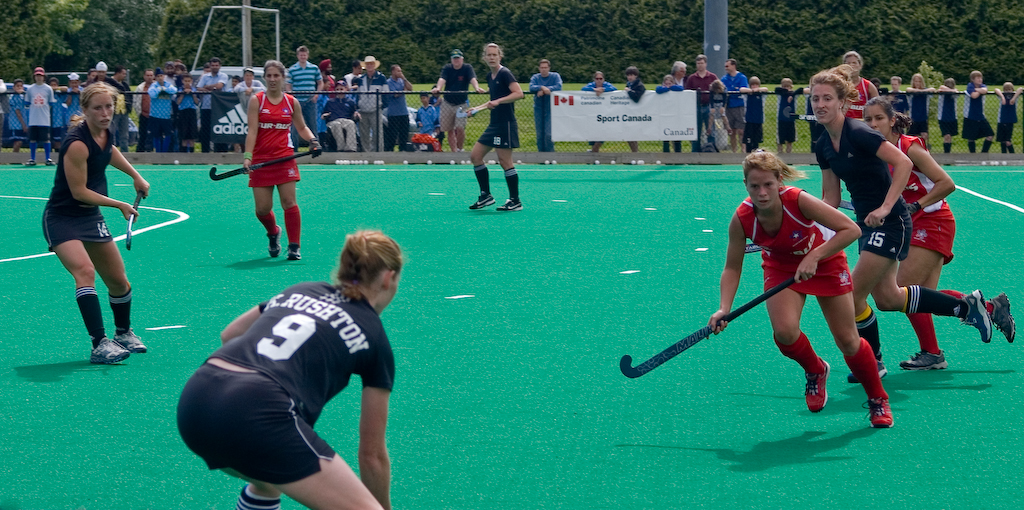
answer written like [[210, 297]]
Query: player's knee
[[787, 336]]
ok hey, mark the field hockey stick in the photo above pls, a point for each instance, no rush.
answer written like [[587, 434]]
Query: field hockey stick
[[231, 173], [626, 363], [753, 248], [131, 221]]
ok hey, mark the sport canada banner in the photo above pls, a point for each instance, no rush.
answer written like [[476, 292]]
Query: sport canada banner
[[613, 116], [229, 118]]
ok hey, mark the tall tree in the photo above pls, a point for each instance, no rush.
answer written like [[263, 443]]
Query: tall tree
[[35, 29]]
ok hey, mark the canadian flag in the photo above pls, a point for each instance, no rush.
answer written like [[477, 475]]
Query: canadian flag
[[563, 100]]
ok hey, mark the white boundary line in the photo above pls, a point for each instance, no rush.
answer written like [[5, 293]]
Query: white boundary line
[[990, 199], [182, 216]]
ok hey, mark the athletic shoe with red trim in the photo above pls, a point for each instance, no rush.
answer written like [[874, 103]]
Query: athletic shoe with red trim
[[879, 412], [274, 247], [1002, 318], [815, 392]]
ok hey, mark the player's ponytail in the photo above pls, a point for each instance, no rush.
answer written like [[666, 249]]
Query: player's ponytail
[[367, 253], [768, 161]]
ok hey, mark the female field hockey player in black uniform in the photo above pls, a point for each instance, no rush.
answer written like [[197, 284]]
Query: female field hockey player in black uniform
[[800, 237], [250, 409], [852, 152], [502, 134], [76, 231]]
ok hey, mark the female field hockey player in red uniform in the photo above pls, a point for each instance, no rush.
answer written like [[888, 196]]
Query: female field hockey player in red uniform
[[271, 115], [865, 89], [851, 152], [76, 231], [250, 409], [800, 236], [931, 245]]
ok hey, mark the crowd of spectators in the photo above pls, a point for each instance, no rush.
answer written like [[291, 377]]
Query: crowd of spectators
[[356, 112]]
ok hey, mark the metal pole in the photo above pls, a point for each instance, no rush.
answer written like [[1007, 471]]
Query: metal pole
[[716, 34], [246, 34]]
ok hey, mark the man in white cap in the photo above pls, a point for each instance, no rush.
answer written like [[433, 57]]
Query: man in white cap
[[371, 102]]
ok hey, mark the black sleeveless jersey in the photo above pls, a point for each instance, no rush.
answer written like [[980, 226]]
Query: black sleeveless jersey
[[500, 85], [61, 201], [856, 163], [310, 339]]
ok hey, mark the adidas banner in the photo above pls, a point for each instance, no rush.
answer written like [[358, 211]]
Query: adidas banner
[[229, 118], [613, 116]]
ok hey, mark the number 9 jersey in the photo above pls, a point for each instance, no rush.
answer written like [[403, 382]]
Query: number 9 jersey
[[310, 339]]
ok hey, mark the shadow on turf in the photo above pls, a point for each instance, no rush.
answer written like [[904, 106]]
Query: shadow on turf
[[802, 449], [56, 372], [260, 263]]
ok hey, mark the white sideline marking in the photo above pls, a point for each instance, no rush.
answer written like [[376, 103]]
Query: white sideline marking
[[163, 327], [650, 209], [460, 296], [707, 230], [182, 216], [561, 201], [122, 185], [700, 219], [990, 199], [702, 249], [436, 194], [631, 271]]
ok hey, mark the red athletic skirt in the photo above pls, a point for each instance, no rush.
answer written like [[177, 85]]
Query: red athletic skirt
[[273, 175], [832, 279], [935, 231]]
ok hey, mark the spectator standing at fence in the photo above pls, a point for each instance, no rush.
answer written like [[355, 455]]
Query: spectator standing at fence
[[142, 105], [93, 75], [58, 113], [753, 129], [542, 85], [213, 82], [371, 105], [398, 111], [718, 122], [327, 79], [865, 89], [700, 81], [1007, 116], [456, 76], [426, 116], [122, 104], [40, 99], [5, 106], [735, 109], [598, 86], [357, 71], [896, 96], [248, 86], [976, 125], [948, 119], [341, 115], [303, 76], [161, 93], [679, 73], [786, 115], [502, 134], [920, 96], [186, 120], [635, 90], [17, 119], [669, 84]]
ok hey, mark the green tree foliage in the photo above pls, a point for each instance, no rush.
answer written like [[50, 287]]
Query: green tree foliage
[[33, 30]]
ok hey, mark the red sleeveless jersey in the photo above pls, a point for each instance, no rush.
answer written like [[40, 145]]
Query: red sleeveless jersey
[[273, 140], [856, 110], [919, 184]]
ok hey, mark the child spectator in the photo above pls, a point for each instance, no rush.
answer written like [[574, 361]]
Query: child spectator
[[188, 126], [948, 122], [427, 116], [896, 96], [1007, 116], [919, 99], [17, 119], [786, 116], [58, 114], [753, 129], [634, 89], [40, 98], [718, 130], [670, 83], [160, 126], [975, 124]]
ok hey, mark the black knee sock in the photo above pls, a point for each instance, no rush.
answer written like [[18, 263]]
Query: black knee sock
[[925, 300], [481, 178], [89, 305], [986, 145], [971, 146], [946, 147], [122, 307], [1009, 148], [248, 500], [512, 179], [1003, 146], [868, 330]]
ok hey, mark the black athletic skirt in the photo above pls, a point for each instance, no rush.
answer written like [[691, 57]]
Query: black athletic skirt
[[248, 422], [58, 228], [501, 136]]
